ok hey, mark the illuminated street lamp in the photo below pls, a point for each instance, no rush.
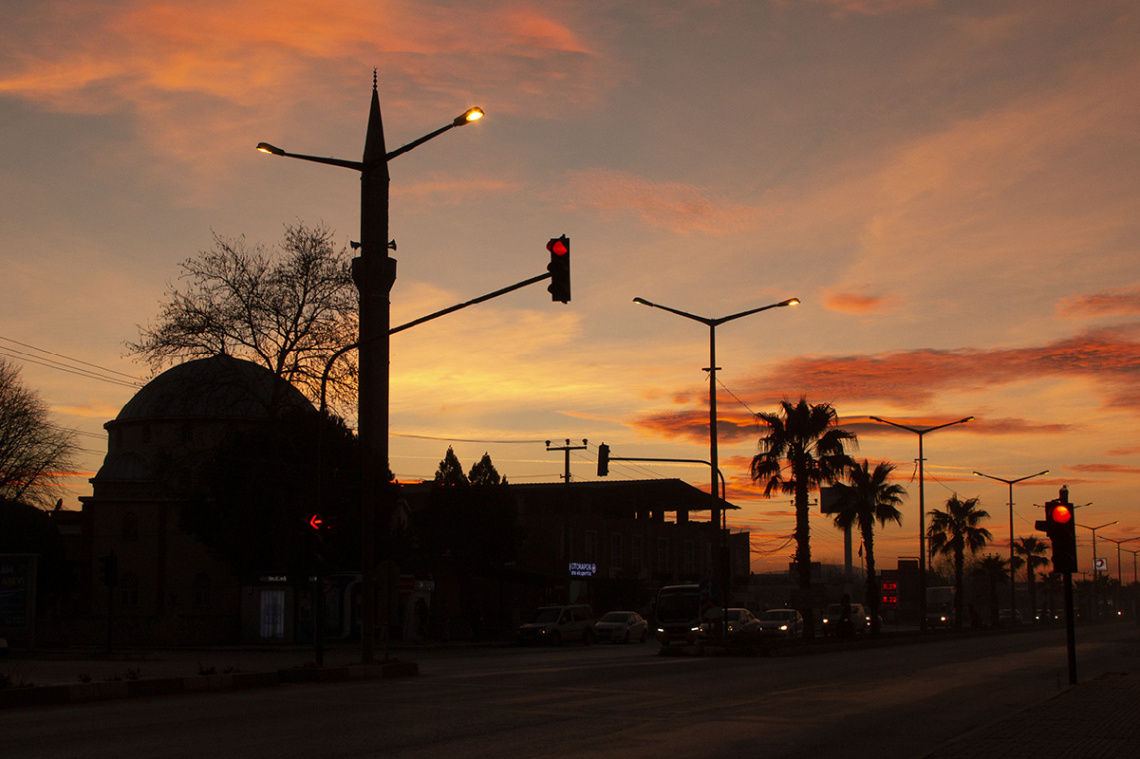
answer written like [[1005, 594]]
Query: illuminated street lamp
[[716, 516], [1093, 530], [374, 273], [1011, 483], [920, 431], [712, 368]]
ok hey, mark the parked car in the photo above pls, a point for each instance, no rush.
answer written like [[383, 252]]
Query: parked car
[[782, 623], [742, 625], [555, 625], [860, 619], [621, 627]]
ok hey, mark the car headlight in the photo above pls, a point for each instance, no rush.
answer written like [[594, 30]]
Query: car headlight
[[783, 628]]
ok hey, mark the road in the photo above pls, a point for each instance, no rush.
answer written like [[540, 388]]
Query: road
[[899, 701]]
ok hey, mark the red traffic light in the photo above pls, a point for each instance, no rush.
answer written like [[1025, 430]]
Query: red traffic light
[[559, 268], [316, 522], [1062, 514]]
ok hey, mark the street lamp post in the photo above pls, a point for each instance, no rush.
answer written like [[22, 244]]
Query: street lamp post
[[1119, 577], [374, 273], [712, 369], [921, 431], [1095, 572], [1012, 585]]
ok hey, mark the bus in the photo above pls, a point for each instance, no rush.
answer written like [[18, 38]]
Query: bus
[[677, 614]]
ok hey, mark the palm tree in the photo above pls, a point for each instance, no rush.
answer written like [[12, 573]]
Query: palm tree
[[868, 497], [952, 532], [1033, 552], [995, 569], [804, 448]]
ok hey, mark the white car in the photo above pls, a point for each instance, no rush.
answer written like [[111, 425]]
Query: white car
[[742, 625], [860, 619], [621, 627], [782, 623]]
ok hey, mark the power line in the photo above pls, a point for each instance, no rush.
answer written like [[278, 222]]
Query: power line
[[77, 366]]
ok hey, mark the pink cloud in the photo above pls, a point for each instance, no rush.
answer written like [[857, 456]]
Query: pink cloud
[[1117, 302], [1110, 359]]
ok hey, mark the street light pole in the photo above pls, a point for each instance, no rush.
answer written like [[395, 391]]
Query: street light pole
[[921, 431], [712, 369], [1012, 585], [374, 273], [1095, 572], [1119, 577]]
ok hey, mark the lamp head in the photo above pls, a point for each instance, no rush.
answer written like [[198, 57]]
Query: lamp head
[[791, 302], [471, 114], [265, 147]]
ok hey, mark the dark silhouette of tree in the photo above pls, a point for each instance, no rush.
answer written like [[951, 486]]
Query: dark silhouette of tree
[[1032, 552], [450, 471], [953, 531], [34, 453], [868, 497], [484, 472], [289, 313], [803, 449], [252, 503], [996, 571]]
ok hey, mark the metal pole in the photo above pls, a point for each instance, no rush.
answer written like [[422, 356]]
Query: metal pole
[[1012, 584], [1070, 628]]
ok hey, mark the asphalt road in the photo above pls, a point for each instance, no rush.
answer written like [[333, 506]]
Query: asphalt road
[[901, 701]]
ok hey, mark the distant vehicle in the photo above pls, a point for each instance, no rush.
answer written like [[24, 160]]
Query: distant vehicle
[[782, 623], [1005, 617], [742, 625], [555, 625], [860, 619], [677, 614], [621, 627], [940, 606]]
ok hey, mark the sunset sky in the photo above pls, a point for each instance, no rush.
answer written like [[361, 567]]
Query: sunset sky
[[951, 188]]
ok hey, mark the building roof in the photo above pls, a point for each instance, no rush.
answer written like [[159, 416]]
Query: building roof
[[218, 387]]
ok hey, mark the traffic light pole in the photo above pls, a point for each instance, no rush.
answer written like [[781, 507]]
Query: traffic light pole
[[472, 302], [1070, 629]]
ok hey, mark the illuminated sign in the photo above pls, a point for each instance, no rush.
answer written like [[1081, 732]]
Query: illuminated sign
[[578, 569], [890, 593]]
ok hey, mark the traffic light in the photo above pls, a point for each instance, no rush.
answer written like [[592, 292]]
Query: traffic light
[[1060, 524], [603, 460], [109, 569], [559, 268]]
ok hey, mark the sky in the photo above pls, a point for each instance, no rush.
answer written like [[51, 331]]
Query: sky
[[952, 189]]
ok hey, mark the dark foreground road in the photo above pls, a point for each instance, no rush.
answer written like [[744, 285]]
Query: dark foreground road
[[901, 701]]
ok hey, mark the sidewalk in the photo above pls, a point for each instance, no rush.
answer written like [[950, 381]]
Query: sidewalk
[[1099, 718], [64, 677]]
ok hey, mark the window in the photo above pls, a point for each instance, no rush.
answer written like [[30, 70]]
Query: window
[[591, 545], [129, 590], [130, 526], [201, 591], [272, 614]]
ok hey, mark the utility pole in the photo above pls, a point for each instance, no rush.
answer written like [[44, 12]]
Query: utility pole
[[566, 450]]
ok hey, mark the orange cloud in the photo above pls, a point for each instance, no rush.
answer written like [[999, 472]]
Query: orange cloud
[[852, 303], [670, 205], [1117, 302], [1103, 469]]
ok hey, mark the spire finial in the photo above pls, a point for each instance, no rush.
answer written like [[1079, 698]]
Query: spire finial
[[374, 80]]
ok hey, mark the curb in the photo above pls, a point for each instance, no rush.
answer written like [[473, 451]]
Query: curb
[[55, 695]]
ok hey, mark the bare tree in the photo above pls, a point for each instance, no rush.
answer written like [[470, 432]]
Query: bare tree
[[34, 454], [289, 313]]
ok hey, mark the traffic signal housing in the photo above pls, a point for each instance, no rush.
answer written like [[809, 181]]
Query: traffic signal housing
[[559, 268], [603, 460], [1060, 524]]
